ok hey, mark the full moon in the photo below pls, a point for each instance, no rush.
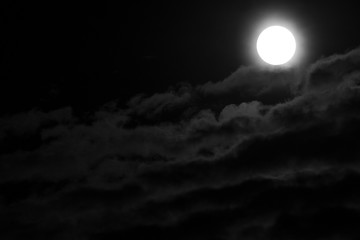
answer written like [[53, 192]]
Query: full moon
[[276, 45]]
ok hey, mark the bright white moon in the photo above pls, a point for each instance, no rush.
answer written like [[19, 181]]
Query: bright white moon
[[276, 45]]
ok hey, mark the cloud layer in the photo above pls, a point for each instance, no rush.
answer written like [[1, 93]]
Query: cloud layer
[[263, 154]]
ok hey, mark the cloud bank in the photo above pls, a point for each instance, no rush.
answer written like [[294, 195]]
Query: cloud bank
[[263, 154]]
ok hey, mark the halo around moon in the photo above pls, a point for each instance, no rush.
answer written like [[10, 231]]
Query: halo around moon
[[276, 45]]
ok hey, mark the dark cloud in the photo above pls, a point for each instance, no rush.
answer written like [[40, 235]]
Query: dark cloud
[[246, 84], [253, 83], [23, 130], [161, 105], [264, 154], [332, 71]]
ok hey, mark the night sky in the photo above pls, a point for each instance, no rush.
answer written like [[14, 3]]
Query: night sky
[[157, 120]]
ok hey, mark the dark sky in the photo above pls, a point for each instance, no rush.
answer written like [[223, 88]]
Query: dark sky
[[155, 120], [52, 52]]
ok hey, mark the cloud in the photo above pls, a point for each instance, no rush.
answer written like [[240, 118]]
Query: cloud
[[332, 71], [260, 155], [160, 105], [22, 130], [246, 84], [253, 83]]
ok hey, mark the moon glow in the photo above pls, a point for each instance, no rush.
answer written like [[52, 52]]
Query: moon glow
[[276, 45]]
